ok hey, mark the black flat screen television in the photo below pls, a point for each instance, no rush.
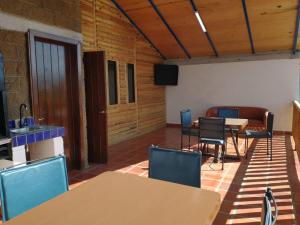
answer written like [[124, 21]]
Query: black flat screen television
[[165, 74]]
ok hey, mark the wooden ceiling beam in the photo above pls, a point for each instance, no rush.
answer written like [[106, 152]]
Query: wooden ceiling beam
[[296, 29], [137, 28], [195, 9], [248, 26], [169, 28]]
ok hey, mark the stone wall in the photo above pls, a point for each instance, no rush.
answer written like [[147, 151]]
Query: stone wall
[[60, 13], [13, 47]]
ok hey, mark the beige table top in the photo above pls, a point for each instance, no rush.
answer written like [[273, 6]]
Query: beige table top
[[232, 123], [236, 123], [123, 199]]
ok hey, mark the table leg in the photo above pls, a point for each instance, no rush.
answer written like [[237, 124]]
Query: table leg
[[235, 144]]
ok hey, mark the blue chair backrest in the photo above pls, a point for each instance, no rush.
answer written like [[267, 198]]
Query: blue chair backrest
[[270, 120], [175, 166], [212, 128], [267, 217], [25, 187], [228, 113], [186, 118]]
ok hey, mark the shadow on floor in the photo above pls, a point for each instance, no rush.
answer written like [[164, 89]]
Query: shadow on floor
[[243, 201], [241, 184]]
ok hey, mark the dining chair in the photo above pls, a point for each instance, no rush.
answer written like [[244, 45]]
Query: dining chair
[[24, 187], [267, 217], [230, 113], [212, 131], [187, 126], [268, 134], [175, 166]]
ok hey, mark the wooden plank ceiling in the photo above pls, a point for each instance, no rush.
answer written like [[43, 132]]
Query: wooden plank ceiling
[[272, 26]]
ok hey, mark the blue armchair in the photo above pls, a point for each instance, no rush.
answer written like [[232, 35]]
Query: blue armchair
[[175, 166], [25, 187]]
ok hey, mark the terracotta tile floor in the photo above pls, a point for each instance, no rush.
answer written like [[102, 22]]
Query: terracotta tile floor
[[241, 184]]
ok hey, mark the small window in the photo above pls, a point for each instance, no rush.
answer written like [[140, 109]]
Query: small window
[[131, 83], [112, 83]]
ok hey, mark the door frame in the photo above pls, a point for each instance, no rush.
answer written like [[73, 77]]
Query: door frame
[[75, 46]]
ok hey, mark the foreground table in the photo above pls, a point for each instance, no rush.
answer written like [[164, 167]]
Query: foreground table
[[231, 124], [124, 199]]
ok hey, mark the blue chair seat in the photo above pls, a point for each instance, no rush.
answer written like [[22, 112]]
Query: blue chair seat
[[212, 141], [257, 134]]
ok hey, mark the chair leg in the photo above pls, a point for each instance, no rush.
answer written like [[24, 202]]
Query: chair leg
[[237, 138], [271, 148], [181, 143], [223, 155], [267, 146], [246, 147], [189, 142], [199, 144]]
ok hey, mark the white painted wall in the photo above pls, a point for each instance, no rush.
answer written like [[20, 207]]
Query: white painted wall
[[272, 84]]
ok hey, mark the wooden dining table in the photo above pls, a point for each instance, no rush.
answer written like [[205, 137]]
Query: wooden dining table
[[233, 124], [113, 198]]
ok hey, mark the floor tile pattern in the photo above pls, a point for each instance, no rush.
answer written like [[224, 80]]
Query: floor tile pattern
[[241, 184]]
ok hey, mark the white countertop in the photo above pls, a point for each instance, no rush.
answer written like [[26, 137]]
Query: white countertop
[[4, 141]]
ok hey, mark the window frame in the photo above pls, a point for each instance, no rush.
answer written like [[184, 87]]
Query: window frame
[[127, 85], [117, 83]]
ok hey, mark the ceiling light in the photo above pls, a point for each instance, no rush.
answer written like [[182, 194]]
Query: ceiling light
[[200, 21]]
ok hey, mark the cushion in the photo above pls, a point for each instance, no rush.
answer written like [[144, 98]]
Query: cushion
[[212, 141], [257, 134]]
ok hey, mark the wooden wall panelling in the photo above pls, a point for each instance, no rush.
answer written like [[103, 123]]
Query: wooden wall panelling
[[113, 34], [88, 24]]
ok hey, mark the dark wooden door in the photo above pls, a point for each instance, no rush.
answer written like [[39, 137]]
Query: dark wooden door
[[53, 90], [94, 70]]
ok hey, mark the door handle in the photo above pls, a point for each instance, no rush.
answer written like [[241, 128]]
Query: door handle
[[103, 111]]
